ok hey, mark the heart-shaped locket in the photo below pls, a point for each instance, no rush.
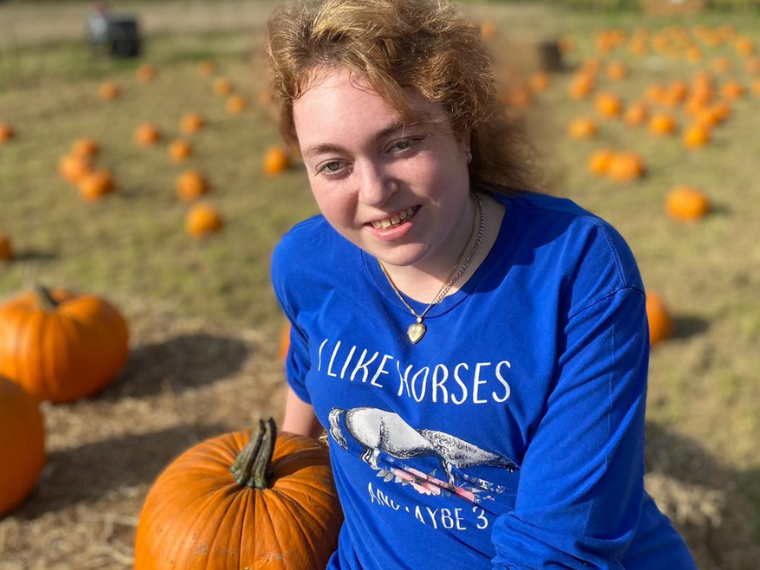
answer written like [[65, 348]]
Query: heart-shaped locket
[[415, 332]]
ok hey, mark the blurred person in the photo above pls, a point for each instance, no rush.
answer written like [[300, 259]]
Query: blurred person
[[476, 351]]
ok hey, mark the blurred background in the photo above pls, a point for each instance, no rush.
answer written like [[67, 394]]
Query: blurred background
[[140, 162]]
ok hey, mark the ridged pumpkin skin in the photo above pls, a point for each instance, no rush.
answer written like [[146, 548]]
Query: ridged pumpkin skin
[[22, 444], [197, 516], [63, 353]]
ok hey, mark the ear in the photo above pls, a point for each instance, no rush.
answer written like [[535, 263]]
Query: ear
[[465, 141]]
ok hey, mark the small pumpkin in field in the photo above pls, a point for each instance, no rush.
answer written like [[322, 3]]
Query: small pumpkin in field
[[85, 146], [616, 71], [582, 128], [608, 105], [687, 204], [236, 104], [191, 123], [22, 441], [109, 91], [74, 167], [744, 46], [488, 30], [662, 124], [753, 66], [732, 90], [6, 132], [6, 251], [180, 150], [660, 322], [60, 346], [721, 64], [191, 185], [540, 81], [222, 86], [276, 160], [625, 166], [599, 163], [284, 345], [146, 73], [636, 114], [270, 495], [581, 85], [96, 185], [207, 67], [147, 135], [203, 220], [697, 135]]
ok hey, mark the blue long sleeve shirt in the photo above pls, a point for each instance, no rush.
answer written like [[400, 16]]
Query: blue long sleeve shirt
[[512, 435]]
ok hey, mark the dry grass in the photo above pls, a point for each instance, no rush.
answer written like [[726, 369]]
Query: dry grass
[[203, 318]]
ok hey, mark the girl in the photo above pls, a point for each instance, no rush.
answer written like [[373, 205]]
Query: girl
[[476, 352]]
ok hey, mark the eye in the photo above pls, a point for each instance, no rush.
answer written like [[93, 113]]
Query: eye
[[402, 145], [332, 168]]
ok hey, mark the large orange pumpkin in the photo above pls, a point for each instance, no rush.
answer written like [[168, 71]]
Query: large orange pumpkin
[[22, 441], [60, 346], [242, 500], [660, 323]]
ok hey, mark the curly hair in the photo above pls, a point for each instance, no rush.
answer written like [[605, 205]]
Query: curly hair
[[395, 45]]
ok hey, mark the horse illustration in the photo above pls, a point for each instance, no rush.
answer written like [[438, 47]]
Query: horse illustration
[[380, 431]]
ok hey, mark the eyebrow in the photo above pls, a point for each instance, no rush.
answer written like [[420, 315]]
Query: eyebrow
[[381, 134]]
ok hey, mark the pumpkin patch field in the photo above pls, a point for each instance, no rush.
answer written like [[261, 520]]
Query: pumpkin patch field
[[144, 196]]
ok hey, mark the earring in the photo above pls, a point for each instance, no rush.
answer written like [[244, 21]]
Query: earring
[[468, 154]]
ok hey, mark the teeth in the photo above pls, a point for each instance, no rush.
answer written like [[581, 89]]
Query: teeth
[[396, 219]]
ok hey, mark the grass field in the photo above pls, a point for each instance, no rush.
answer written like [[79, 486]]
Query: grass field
[[203, 318]]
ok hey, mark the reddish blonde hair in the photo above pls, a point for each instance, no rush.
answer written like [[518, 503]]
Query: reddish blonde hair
[[395, 45]]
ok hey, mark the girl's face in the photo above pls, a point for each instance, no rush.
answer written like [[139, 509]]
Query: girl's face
[[399, 192]]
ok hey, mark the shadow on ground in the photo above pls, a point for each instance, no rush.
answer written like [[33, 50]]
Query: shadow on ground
[[88, 473], [181, 362], [716, 509]]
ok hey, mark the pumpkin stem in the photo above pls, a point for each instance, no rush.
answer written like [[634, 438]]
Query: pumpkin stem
[[251, 465], [44, 298]]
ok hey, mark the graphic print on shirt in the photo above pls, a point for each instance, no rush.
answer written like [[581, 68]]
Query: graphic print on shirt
[[380, 437]]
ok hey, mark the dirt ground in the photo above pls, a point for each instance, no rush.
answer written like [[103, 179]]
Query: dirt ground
[[190, 379]]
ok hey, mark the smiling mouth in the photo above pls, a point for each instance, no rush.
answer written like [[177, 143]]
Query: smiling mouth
[[396, 219]]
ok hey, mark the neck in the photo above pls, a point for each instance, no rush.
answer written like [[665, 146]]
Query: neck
[[423, 281]]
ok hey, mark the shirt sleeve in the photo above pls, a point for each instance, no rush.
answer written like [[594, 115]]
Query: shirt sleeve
[[582, 478], [297, 361]]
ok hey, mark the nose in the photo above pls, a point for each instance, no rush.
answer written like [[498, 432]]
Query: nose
[[377, 185]]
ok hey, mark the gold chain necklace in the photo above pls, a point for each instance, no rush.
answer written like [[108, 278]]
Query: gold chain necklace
[[417, 330]]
